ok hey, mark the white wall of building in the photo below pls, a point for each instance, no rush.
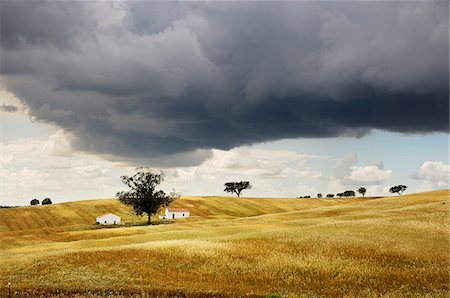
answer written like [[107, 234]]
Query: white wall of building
[[108, 219], [173, 214]]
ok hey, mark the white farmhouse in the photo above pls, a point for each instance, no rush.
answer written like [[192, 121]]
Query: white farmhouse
[[108, 219], [172, 213]]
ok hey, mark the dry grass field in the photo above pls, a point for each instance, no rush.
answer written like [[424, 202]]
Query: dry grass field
[[230, 247]]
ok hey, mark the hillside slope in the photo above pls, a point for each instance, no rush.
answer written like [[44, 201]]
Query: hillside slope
[[70, 215], [82, 214], [387, 247]]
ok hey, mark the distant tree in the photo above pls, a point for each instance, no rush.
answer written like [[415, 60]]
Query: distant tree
[[34, 202], [46, 201], [399, 189], [319, 195], [349, 193], [237, 187], [362, 191], [307, 197], [330, 195], [143, 195]]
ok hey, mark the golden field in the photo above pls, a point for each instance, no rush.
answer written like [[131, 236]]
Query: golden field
[[230, 247]]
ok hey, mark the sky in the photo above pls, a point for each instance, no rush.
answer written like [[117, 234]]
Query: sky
[[297, 97]]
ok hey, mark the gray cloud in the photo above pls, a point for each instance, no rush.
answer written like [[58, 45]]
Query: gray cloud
[[41, 23], [150, 79], [8, 108]]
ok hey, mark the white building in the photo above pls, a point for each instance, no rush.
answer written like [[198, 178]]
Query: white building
[[172, 213], [108, 219]]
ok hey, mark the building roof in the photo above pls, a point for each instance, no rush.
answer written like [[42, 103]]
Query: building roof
[[107, 214], [177, 209]]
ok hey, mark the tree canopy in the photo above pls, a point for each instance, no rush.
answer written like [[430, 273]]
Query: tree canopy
[[347, 193], [237, 187], [399, 189], [34, 202], [143, 194], [362, 191], [46, 201]]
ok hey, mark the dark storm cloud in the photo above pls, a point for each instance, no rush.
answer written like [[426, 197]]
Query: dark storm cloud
[[40, 23], [152, 79]]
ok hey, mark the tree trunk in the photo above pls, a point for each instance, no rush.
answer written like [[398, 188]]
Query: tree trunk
[[149, 221]]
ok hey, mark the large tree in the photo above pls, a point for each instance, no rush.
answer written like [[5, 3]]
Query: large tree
[[399, 189], [237, 187], [143, 194], [362, 191]]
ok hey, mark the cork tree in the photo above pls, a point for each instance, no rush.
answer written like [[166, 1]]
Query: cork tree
[[143, 194], [237, 187]]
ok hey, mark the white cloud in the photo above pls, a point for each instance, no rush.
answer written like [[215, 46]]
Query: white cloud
[[59, 144], [343, 167], [9, 99], [434, 174], [347, 172], [39, 168], [258, 163], [276, 173], [369, 174]]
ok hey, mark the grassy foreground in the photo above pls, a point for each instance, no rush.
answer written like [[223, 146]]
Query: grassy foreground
[[393, 247]]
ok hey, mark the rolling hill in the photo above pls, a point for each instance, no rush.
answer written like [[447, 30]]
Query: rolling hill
[[394, 246], [82, 214]]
